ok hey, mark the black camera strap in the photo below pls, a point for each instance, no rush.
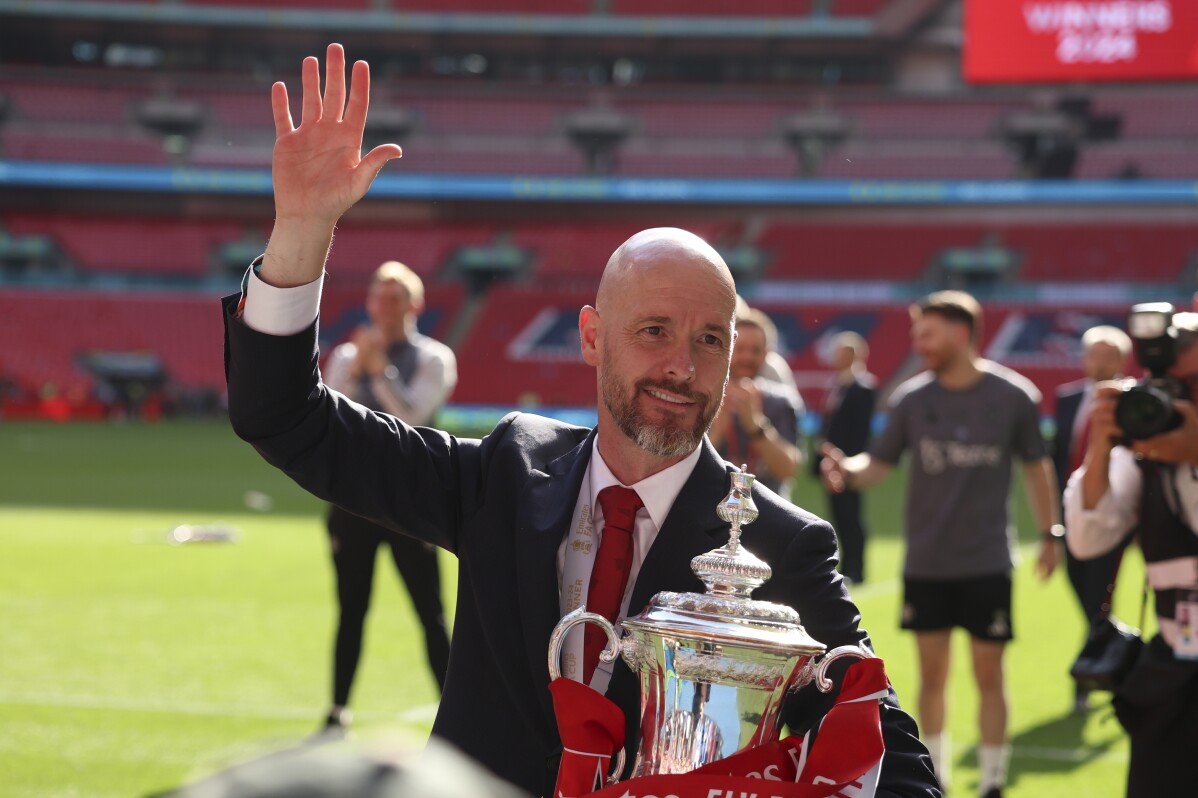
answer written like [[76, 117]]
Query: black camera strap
[[1105, 610]]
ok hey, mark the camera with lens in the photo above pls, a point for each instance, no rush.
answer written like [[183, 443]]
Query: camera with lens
[[1145, 410]]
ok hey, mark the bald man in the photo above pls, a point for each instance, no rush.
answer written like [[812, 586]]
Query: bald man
[[543, 516]]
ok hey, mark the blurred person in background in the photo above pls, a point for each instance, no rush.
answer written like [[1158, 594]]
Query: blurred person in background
[[387, 366], [1151, 487], [1105, 350], [758, 423], [964, 420], [848, 416], [774, 367]]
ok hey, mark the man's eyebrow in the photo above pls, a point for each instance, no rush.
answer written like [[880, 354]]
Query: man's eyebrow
[[717, 328]]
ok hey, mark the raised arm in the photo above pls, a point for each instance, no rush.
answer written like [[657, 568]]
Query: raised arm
[[318, 169], [421, 482]]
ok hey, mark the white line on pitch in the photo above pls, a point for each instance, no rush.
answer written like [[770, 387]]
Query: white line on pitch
[[417, 714]]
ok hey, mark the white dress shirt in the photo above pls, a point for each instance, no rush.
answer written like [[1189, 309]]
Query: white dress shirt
[[657, 492], [280, 311]]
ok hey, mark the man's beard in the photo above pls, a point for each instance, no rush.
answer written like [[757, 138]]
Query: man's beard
[[938, 361], [665, 437]]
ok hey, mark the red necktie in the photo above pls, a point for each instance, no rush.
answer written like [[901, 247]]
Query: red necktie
[[609, 574]]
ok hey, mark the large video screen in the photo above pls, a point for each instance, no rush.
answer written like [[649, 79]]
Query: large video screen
[[1018, 41]]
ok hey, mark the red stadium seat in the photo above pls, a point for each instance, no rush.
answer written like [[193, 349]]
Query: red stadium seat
[[148, 246], [519, 350], [693, 8], [48, 330], [359, 249]]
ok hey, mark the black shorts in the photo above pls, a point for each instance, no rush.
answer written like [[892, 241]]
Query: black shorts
[[980, 605]]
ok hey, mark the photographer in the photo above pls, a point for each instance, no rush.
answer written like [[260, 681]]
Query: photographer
[[1151, 484]]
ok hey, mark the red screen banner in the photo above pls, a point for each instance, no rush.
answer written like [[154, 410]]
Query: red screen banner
[[1018, 41]]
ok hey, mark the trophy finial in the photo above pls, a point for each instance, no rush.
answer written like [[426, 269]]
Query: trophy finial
[[738, 508], [732, 569]]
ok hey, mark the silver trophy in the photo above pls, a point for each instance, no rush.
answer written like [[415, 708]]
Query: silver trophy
[[714, 667]]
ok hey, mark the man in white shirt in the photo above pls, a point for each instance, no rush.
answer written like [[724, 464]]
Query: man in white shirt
[[660, 338], [391, 367], [1105, 350], [1151, 487]]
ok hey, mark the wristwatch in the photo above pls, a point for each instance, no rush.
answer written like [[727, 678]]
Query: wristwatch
[[1054, 532]]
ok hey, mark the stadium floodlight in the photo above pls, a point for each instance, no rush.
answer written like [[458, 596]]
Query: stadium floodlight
[[598, 132], [1048, 140], [811, 134]]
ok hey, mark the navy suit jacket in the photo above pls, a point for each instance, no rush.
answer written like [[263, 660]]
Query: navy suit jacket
[[502, 504], [1069, 401]]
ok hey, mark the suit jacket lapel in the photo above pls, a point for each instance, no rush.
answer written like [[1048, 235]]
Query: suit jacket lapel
[[549, 502]]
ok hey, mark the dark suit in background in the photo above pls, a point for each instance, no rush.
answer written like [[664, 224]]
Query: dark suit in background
[[848, 415], [1090, 578], [503, 505]]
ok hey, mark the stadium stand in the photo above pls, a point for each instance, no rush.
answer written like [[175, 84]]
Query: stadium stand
[[903, 248], [99, 243], [565, 252], [360, 248], [764, 8], [522, 350], [750, 8], [513, 327], [49, 330], [513, 127]]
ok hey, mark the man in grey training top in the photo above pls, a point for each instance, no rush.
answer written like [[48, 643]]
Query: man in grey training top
[[964, 420]]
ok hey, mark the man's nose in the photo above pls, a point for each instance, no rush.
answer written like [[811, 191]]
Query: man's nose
[[681, 363]]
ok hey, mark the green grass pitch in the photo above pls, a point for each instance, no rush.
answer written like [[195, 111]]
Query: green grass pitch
[[129, 666]]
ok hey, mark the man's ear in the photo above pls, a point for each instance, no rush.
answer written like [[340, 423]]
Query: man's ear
[[589, 328], [965, 335]]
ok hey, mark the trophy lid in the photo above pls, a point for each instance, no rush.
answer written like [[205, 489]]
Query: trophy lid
[[726, 613]]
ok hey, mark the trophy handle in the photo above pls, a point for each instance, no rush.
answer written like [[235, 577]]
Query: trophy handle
[[568, 622], [609, 653], [822, 682]]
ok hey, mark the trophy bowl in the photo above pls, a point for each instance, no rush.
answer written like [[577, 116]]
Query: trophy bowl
[[714, 667]]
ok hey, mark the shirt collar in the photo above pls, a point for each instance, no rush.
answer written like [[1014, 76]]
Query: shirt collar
[[657, 491]]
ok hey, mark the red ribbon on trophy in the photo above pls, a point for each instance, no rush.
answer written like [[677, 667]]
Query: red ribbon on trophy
[[592, 731], [843, 761]]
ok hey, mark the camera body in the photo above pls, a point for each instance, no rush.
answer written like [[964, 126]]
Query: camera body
[[1145, 409]]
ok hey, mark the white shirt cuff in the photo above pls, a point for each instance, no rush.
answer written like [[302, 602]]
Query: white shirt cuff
[[280, 311]]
